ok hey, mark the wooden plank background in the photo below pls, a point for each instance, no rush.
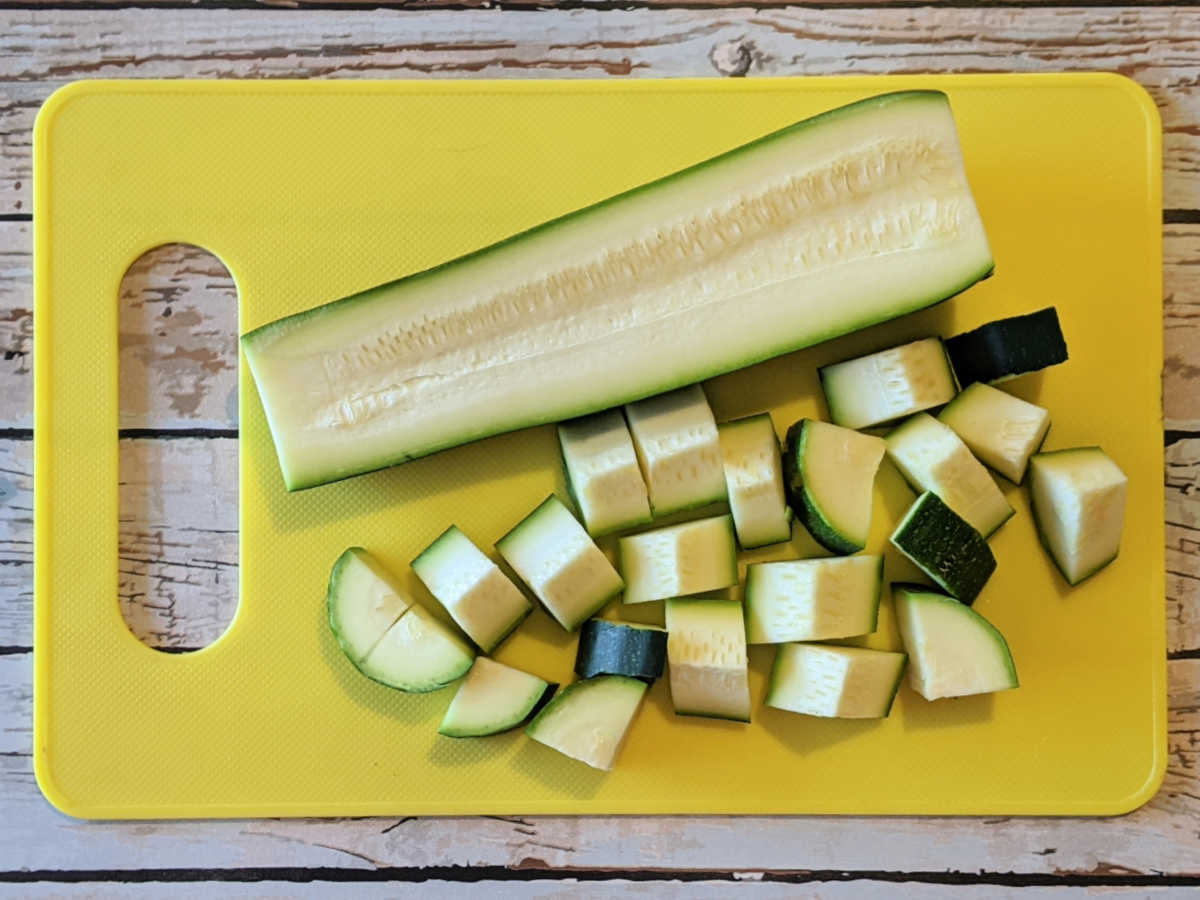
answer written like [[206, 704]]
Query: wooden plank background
[[178, 490]]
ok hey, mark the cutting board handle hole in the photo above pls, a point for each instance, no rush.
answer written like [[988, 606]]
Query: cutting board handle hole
[[178, 546]]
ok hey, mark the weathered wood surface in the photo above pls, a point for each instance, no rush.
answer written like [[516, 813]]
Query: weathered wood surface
[[178, 523], [1160, 47]]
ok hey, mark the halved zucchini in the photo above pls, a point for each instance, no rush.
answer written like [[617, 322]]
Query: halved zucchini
[[832, 224]]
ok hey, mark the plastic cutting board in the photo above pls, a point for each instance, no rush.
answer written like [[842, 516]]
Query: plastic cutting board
[[312, 190]]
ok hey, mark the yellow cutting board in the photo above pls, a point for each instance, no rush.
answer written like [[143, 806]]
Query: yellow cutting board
[[312, 190]]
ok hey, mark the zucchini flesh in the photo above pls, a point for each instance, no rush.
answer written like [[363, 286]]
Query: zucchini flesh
[[364, 600], [853, 217], [830, 479], [561, 563], [479, 597], [1007, 348], [931, 457], [589, 719], [1079, 508], [602, 472], [884, 386], [706, 647], [675, 437], [418, 654], [953, 650], [754, 480], [494, 698], [838, 682], [690, 558], [1000, 429], [812, 599]]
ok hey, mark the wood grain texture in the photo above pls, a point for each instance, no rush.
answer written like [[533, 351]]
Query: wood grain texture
[[178, 346], [178, 340], [1160, 837], [178, 524], [1181, 327], [1160, 47], [177, 584]]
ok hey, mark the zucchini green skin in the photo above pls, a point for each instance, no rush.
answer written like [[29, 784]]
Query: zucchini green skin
[[620, 648], [879, 598], [1008, 347], [539, 704], [699, 370], [945, 548], [331, 592], [896, 687], [801, 501]]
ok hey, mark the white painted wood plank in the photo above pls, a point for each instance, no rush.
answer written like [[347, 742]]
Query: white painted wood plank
[[178, 540], [1160, 837], [1159, 47], [177, 337], [39, 50]]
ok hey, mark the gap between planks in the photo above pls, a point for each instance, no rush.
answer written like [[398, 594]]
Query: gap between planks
[[476, 874]]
